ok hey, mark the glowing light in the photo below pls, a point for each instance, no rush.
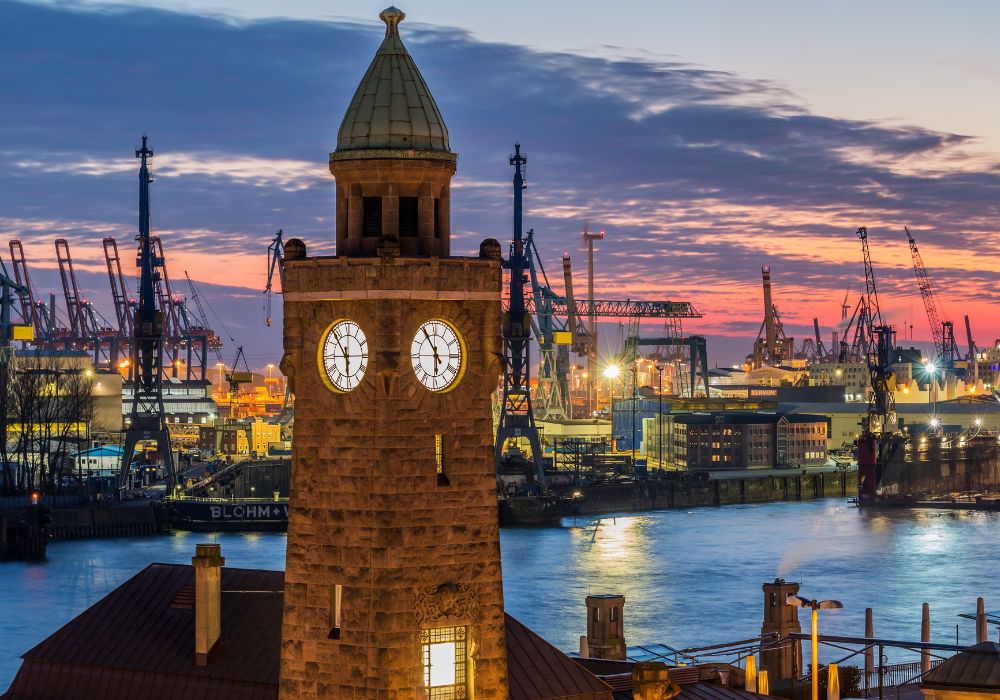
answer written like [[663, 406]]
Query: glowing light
[[88, 373], [934, 422], [979, 421], [442, 664], [931, 367], [612, 371]]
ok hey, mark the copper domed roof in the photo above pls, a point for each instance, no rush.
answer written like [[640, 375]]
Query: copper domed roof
[[392, 107]]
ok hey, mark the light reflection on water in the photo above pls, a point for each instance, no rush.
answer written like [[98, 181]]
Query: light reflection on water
[[689, 577]]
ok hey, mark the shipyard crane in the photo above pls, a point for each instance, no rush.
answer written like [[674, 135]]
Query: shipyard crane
[[517, 420], [588, 240], [124, 305], [88, 329], [943, 332], [275, 254], [147, 421], [34, 312], [9, 332], [78, 320], [172, 331], [874, 446], [973, 351], [557, 322]]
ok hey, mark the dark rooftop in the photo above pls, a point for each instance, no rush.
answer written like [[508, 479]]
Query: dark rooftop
[[138, 642], [976, 668]]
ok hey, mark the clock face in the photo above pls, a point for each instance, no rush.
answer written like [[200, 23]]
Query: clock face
[[438, 355], [343, 356]]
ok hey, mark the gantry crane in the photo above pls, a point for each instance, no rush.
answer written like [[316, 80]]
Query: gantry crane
[[124, 305], [35, 312], [943, 332], [147, 420], [89, 330]]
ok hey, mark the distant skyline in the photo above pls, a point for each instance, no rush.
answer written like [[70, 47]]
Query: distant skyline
[[716, 138]]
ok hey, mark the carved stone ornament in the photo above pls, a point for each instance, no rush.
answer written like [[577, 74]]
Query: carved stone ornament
[[447, 603]]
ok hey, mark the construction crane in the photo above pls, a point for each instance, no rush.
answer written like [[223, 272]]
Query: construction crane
[[147, 420], [517, 420], [943, 332], [275, 253]]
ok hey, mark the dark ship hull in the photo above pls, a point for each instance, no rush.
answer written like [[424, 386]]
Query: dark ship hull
[[531, 511], [217, 515], [930, 471]]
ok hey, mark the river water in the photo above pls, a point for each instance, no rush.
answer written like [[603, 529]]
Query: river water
[[689, 577]]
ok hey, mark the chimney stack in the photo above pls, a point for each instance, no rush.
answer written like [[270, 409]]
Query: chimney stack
[[605, 627], [207, 563]]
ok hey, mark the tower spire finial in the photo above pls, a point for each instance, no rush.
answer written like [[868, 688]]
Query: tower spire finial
[[392, 16]]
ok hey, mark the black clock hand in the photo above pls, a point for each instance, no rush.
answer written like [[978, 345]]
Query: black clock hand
[[437, 359], [347, 360]]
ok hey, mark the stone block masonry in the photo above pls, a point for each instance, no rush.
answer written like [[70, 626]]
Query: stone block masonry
[[368, 511]]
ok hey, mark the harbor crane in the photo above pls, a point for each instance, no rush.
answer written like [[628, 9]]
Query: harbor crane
[[874, 450], [275, 253], [943, 332], [517, 420], [147, 421]]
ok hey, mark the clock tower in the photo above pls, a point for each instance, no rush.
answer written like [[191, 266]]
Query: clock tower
[[393, 584]]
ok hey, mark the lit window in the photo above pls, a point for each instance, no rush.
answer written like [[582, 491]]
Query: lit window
[[445, 663]]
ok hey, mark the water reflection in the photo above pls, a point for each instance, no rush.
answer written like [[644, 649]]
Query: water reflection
[[689, 577]]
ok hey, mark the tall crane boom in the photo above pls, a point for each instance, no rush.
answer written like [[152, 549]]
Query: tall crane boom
[[119, 292], [78, 321], [517, 418], [30, 311], [275, 252], [147, 421], [927, 294]]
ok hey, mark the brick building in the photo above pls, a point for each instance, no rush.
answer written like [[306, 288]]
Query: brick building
[[738, 440]]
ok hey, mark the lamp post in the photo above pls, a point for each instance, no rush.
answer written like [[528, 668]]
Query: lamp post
[[610, 373], [634, 399], [659, 415], [814, 605]]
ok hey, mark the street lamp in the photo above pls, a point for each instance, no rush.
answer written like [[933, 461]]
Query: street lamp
[[659, 415], [814, 605]]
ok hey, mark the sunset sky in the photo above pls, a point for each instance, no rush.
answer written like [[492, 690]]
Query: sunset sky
[[707, 139]]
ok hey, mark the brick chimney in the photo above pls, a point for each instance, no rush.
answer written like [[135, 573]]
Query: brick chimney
[[605, 627], [207, 563]]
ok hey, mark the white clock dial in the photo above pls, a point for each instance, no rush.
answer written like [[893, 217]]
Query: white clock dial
[[343, 355], [438, 355]]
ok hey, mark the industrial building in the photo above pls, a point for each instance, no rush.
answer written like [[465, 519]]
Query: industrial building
[[736, 440]]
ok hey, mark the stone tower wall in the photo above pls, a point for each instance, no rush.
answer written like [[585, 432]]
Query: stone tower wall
[[367, 511]]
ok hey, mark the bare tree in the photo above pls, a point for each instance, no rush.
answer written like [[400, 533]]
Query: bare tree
[[50, 407]]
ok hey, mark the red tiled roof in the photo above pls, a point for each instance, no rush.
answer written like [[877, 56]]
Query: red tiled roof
[[138, 642], [536, 670]]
